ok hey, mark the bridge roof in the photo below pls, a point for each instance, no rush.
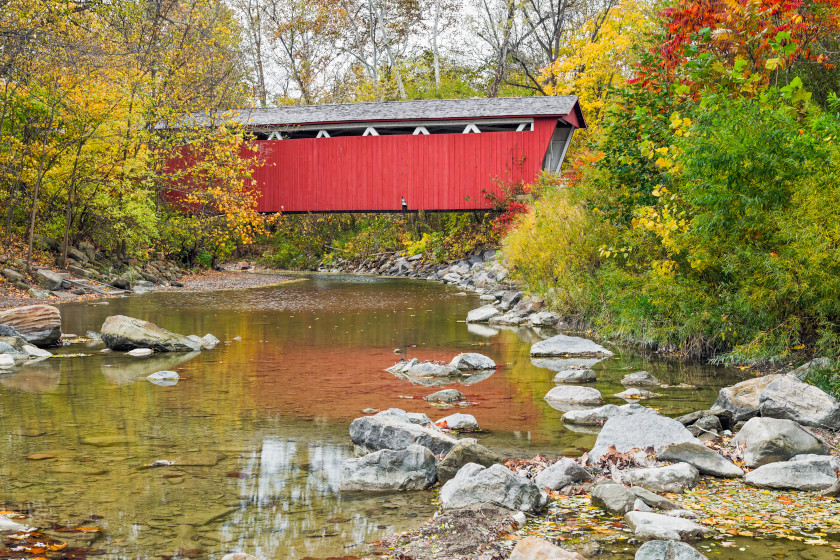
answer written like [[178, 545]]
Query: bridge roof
[[432, 109]]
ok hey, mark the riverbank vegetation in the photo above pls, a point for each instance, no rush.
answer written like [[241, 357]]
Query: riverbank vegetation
[[701, 214]]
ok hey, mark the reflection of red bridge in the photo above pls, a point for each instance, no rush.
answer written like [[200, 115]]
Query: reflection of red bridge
[[437, 154]]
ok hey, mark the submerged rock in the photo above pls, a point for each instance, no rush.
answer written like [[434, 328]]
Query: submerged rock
[[459, 422], [532, 548], [126, 333], [598, 416], [768, 440], [575, 375], [639, 431], [467, 450], [412, 468], [562, 345], [416, 368], [640, 379], [37, 324], [496, 485], [445, 396], [667, 550]]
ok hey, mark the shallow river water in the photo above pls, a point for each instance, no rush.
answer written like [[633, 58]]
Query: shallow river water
[[257, 428]]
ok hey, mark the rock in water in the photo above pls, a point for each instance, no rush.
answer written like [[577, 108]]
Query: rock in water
[[382, 432], [562, 345], [459, 422], [647, 525], [416, 368], [482, 314], [639, 431], [640, 379], [207, 342], [788, 397], [137, 352], [543, 319], [796, 475], [472, 361], [445, 396], [705, 460], [635, 394], [475, 484], [37, 324], [164, 378], [412, 468], [768, 440], [467, 450], [672, 478], [598, 416], [126, 333], [6, 361], [575, 375], [575, 395], [239, 556], [532, 548], [668, 550], [9, 526], [6, 330], [562, 473], [615, 498], [742, 399], [411, 417]]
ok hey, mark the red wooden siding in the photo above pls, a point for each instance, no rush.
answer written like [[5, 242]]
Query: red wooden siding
[[372, 173]]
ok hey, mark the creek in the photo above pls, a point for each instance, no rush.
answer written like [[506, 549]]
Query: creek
[[257, 427]]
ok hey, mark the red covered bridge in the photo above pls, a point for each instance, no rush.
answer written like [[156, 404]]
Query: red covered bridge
[[437, 154]]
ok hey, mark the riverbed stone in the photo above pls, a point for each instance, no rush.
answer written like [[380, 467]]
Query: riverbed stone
[[12, 275], [459, 422], [635, 394], [467, 450], [482, 314], [126, 333], [639, 431], [563, 345], [543, 319], [239, 556], [562, 473], [7, 330], [574, 395], [615, 498], [646, 525], [472, 361], [640, 379], [6, 361], [653, 500], [788, 397], [419, 418], [795, 475], [416, 368], [383, 432], [707, 461], [769, 440], [743, 399], [672, 478], [37, 324], [496, 484], [9, 526], [532, 548], [412, 468], [164, 378], [575, 375], [668, 550], [445, 396], [598, 416], [207, 342], [48, 279]]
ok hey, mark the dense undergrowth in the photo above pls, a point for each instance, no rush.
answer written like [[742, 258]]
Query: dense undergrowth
[[702, 214]]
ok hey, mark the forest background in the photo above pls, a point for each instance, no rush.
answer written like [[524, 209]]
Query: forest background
[[698, 213]]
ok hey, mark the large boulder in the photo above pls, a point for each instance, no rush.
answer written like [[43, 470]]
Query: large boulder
[[705, 460], [672, 478], [459, 422], [742, 399], [48, 279], [574, 395], [639, 431], [385, 432], [598, 416], [640, 379], [648, 525], [788, 397], [543, 319], [37, 324], [562, 473], [796, 475], [482, 314], [419, 418], [475, 484], [467, 450], [127, 333], [13, 351], [667, 550], [562, 345], [412, 468], [416, 368], [445, 396], [768, 440], [532, 548], [472, 361]]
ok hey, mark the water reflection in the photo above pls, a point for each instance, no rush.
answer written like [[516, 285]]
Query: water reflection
[[257, 427]]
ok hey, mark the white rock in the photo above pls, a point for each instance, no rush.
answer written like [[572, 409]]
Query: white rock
[[6, 361], [575, 395], [647, 526], [672, 478], [562, 345], [141, 352], [459, 422], [36, 352], [472, 361], [639, 431], [482, 314]]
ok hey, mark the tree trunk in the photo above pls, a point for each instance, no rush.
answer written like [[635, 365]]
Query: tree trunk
[[503, 51], [391, 58], [37, 191], [68, 210], [435, 43]]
